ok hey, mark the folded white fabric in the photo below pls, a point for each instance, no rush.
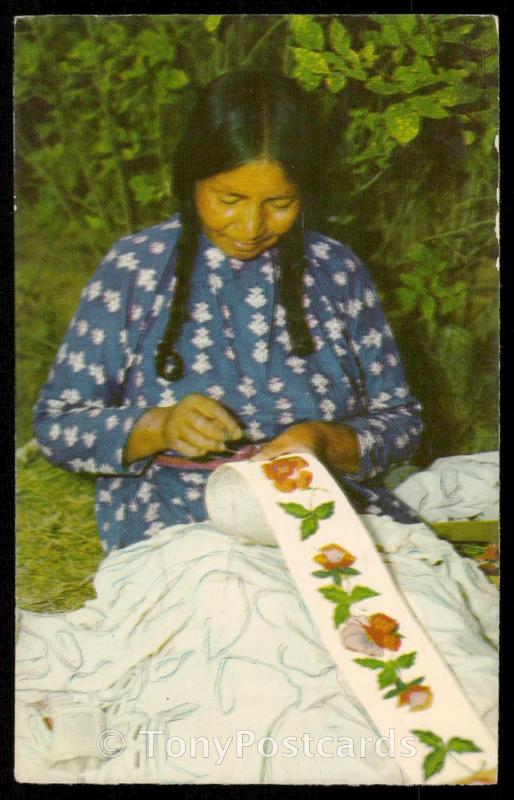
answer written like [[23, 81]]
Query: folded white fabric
[[457, 487], [194, 634]]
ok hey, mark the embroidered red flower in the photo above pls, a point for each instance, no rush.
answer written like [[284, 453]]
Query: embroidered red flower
[[383, 630], [332, 555], [417, 697], [288, 474], [488, 560]]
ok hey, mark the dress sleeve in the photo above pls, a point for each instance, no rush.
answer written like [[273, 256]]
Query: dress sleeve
[[81, 421], [390, 430]]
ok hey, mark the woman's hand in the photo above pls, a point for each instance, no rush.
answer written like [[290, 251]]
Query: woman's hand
[[195, 426], [335, 444]]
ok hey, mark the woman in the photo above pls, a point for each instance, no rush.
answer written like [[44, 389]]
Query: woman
[[229, 323]]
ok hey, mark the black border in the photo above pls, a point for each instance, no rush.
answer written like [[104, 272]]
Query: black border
[[8, 12]]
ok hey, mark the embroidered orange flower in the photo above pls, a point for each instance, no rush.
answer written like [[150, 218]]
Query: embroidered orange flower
[[332, 555], [287, 473], [417, 697], [383, 630]]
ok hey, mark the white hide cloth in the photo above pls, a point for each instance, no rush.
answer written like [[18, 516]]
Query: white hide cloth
[[193, 634], [457, 487]]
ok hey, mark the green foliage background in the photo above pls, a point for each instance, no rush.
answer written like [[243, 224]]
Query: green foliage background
[[412, 103]]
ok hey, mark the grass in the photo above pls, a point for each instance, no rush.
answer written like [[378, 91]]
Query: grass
[[57, 545]]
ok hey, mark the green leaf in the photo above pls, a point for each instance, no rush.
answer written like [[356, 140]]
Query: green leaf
[[310, 67], [368, 55], [321, 573], [429, 738], [336, 577], [459, 745], [310, 61], [308, 33], [422, 45], [370, 663], [173, 78], [309, 526], [427, 106], [362, 593], [406, 22], [406, 660], [211, 22], [346, 571], [428, 308], [325, 510], [296, 510], [379, 86], [413, 281], [390, 35], [341, 613], [335, 82], [401, 123], [339, 38], [334, 594], [388, 675], [434, 763], [469, 137]]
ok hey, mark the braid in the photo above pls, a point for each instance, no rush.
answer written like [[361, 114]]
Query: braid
[[169, 363], [292, 264]]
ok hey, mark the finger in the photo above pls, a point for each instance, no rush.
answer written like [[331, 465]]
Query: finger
[[196, 439], [186, 449], [209, 428], [212, 410]]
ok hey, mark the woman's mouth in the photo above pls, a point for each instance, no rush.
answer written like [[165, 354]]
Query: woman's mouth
[[248, 245]]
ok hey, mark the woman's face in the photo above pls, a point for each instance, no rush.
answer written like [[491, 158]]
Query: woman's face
[[246, 210]]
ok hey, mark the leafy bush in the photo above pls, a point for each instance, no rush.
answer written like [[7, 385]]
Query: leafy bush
[[411, 185]]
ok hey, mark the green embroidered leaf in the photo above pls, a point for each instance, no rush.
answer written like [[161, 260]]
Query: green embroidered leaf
[[341, 613], [434, 762], [415, 682], [370, 663], [296, 510], [336, 577], [362, 593], [392, 693], [308, 527], [388, 675], [459, 745], [346, 571], [406, 660], [334, 594], [321, 573], [325, 510], [429, 738]]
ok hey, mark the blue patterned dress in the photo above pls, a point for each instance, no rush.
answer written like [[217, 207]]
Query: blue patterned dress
[[236, 350]]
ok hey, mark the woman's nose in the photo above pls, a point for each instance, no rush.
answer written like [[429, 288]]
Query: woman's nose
[[253, 223]]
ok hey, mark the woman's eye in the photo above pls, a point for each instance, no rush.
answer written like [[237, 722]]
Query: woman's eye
[[281, 205], [229, 201]]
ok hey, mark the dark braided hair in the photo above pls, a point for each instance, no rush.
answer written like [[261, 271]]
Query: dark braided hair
[[241, 117]]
